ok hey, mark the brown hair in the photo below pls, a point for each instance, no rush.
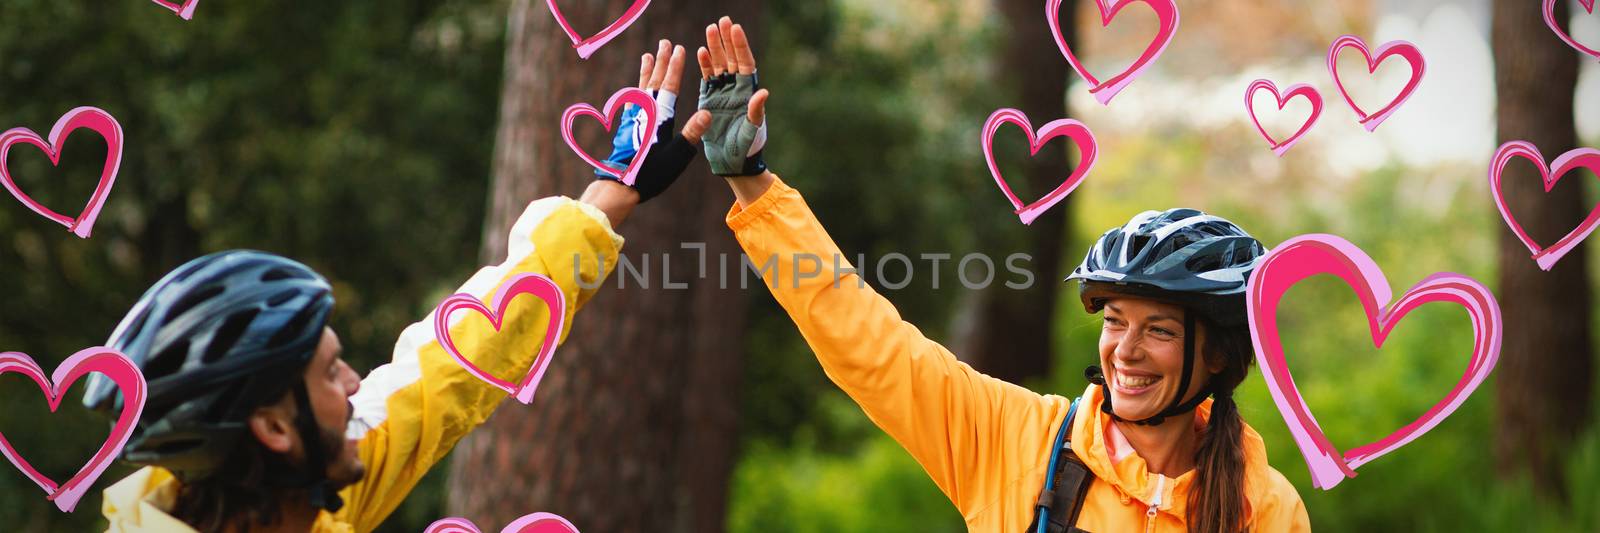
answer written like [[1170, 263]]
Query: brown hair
[[240, 495], [1217, 502]]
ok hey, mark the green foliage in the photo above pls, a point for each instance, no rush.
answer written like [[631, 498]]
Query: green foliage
[[873, 487]]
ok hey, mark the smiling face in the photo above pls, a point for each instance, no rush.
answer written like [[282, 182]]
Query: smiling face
[[1141, 352]]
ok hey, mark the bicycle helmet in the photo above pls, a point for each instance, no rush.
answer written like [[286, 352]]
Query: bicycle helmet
[[216, 338], [1181, 256]]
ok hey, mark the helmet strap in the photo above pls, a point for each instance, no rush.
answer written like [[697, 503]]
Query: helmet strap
[[320, 489]]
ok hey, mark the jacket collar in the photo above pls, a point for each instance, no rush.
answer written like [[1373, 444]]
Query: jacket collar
[[1091, 440], [140, 503]]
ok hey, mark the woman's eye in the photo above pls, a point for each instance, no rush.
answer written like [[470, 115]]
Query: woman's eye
[[1164, 332]]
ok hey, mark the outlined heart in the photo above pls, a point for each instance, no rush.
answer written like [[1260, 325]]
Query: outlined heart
[[90, 118], [184, 10], [1308, 255], [1550, 20], [1167, 18], [1073, 129], [533, 523], [97, 359], [1588, 158], [1298, 89], [587, 45], [536, 285], [630, 95], [1404, 49]]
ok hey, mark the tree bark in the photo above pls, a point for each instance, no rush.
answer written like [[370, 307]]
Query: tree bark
[[1009, 335], [1546, 370], [634, 427]]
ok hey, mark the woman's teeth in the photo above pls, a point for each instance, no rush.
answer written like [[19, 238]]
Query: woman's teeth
[[1137, 382]]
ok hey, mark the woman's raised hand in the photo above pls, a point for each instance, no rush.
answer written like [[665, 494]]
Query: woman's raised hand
[[732, 104]]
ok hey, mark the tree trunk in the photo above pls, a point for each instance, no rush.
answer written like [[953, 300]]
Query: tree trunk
[[1545, 376], [634, 425], [1008, 335]]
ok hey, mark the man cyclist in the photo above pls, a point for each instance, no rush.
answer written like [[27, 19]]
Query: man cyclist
[[253, 422]]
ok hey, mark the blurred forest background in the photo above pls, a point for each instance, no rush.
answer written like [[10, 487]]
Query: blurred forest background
[[388, 144]]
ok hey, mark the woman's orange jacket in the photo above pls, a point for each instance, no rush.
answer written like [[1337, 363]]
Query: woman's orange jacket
[[984, 442]]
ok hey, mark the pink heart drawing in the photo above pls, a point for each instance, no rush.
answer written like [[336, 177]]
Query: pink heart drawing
[[630, 95], [1057, 128], [1579, 158], [535, 284], [1309, 255], [1404, 49], [1167, 18], [97, 359], [533, 523], [1299, 89], [184, 10], [587, 45], [1550, 20], [89, 118]]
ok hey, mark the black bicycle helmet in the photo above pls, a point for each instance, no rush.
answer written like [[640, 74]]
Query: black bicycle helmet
[[1180, 256], [216, 338]]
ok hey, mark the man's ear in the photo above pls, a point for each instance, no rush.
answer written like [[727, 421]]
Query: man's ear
[[273, 425]]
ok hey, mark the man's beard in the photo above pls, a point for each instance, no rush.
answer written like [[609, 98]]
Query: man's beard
[[341, 473]]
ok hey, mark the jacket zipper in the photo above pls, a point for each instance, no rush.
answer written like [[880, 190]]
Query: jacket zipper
[[1155, 502]]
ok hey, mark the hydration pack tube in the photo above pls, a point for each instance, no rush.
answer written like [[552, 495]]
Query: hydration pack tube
[[1066, 482]]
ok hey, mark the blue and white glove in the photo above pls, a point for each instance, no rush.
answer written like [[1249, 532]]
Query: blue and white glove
[[667, 159]]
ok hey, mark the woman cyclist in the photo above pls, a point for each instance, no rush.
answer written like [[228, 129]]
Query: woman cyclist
[[1160, 441]]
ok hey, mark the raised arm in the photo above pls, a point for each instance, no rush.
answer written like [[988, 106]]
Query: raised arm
[[975, 435], [421, 403]]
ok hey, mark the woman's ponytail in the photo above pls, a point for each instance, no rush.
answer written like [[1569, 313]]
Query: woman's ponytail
[[1216, 501]]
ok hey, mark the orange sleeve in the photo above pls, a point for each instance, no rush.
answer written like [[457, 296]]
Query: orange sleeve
[[975, 435]]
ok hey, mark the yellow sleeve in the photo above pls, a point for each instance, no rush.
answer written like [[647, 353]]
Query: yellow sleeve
[[420, 404], [975, 435]]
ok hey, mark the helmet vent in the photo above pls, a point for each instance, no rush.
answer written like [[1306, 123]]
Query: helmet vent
[[189, 301], [281, 297], [1138, 242], [1178, 242], [187, 272], [226, 336], [135, 329], [1204, 263], [168, 361], [294, 329], [278, 274]]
